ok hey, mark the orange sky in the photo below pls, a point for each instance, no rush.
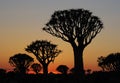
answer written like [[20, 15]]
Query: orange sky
[[21, 22]]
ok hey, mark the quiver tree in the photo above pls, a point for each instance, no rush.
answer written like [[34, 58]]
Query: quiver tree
[[21, 62], [77, 27], [36, 67], [110, 63], [44, 51]]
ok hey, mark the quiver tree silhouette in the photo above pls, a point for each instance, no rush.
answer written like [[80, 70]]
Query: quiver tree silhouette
[[21, 62], [111, 62], [36, 67], [101, 62], [77, 27], [63, 69], [44, 51]]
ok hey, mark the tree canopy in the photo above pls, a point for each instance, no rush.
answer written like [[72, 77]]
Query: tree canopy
[[74, 24], [21, 62]]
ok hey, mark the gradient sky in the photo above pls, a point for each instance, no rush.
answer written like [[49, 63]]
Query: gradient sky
[[21, 22]]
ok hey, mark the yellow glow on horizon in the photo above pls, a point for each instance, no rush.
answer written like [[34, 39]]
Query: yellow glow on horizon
[[22, 22]]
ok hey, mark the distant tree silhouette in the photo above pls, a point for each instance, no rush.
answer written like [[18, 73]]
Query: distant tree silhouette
[[111, 62], [44, 51], [63, 69], [36, 67], [21, 62], [101, 62], [77, 27]]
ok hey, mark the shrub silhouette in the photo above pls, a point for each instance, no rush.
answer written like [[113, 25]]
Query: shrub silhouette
[[2, 71], [63, 69]]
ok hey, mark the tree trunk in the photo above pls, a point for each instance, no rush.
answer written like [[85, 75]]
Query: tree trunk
[[22, 70], [45, 69], [78, 61]]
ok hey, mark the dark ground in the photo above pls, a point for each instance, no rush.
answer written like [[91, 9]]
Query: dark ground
[[97, 77]]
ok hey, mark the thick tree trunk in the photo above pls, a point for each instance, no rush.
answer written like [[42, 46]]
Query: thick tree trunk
[[78, 61], [22, 70], [45, 69]]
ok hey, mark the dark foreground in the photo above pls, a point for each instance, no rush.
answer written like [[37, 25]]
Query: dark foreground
[[101, 77]]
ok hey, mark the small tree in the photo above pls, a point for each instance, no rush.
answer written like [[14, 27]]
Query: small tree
[[36, 67], [44, 51], [21, 62], [77, 27], [63, 69], [111, 62]]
